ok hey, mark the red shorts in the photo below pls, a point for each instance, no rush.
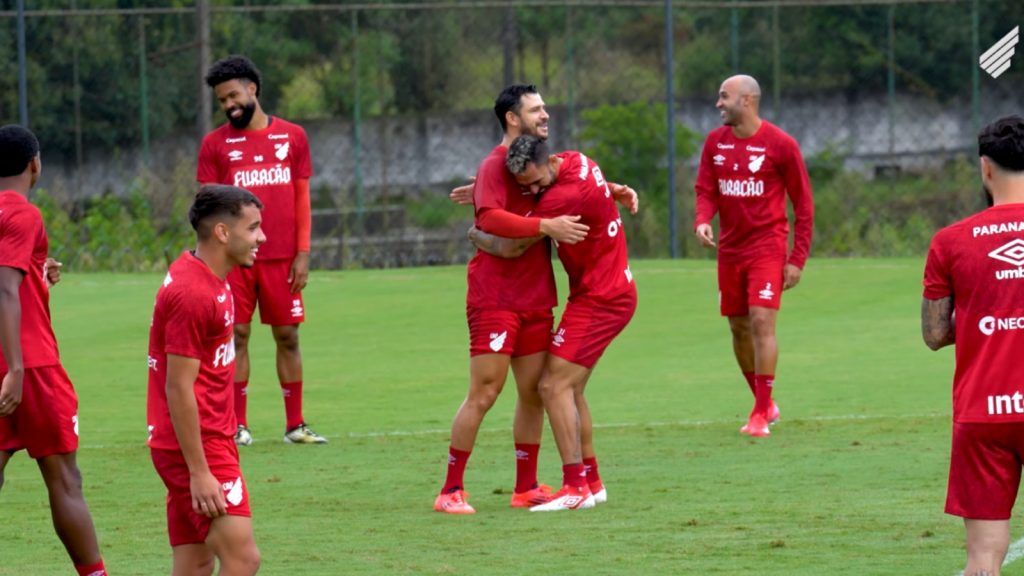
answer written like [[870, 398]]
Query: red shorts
[[984, 470], [184, 525], [587, 328], [751, 283], [266, 283], [46, 421], [506, 332]]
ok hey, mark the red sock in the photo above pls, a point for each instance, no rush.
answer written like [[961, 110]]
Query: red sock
[[574, 475], [750, 382], [590, 465], [456, 467], [763, 392], [526, 466], [241, 397], [292, 392], [96, 569]]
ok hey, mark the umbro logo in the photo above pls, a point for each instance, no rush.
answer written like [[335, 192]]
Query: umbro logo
[[1012, 252]]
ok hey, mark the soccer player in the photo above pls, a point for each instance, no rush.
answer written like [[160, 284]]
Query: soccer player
[[973, 298], [747, 169], [508, 310], [270, 157], [38, 404], [602, 300], [191, 368]]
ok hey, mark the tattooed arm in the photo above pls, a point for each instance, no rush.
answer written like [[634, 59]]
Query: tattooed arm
[[499, 246], [938, 327]]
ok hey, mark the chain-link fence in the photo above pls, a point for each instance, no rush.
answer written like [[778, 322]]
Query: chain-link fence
[[885, 98]]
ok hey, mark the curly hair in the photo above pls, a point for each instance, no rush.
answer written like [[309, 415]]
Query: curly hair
[[1003, 142], [233, 67]]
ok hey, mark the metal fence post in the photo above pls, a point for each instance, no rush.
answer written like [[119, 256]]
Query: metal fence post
[[670, 120]]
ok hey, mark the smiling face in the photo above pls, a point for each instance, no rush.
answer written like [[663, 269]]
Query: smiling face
[[238, 101], [245, 236], [532, 118], [732, 103]]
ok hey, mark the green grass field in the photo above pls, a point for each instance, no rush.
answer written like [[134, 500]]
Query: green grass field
[[852, 481]]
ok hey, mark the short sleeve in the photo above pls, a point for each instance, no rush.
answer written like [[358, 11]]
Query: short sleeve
[[185, 323], [19, 230], [208, 169], [937, 280]]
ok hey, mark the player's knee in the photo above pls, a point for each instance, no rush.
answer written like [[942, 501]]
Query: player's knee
[[246, 562], [287, 339], [242, 332], [762, 326], [483, 397], [64, 479]]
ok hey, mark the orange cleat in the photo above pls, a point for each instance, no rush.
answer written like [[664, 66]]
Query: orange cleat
[[453, 503], [756, 426], [539, 495]]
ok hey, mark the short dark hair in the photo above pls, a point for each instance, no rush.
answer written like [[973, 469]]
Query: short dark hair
[[511, 99], [526, 150], [1003, 143], [18, 146], [218, 200], [234, 67]]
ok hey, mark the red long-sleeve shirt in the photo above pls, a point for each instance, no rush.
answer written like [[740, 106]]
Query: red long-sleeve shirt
[[746, 181]]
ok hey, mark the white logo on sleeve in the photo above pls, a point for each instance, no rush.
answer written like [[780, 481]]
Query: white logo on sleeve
[[755, 163], [498, 340], [233, 491], [168, 280], [281, 151], [74, 421]]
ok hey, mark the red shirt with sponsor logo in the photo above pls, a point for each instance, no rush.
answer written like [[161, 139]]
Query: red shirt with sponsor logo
[[193, 317], [23, 246], [267, 163], [746, 181], [523, 283], [598, 267], [979, 262]]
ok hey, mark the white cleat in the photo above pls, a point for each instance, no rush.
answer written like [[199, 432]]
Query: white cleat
[[568, 498], [303, 434], [243, 437]]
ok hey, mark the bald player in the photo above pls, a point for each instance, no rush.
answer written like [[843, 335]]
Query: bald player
[[748, 168]]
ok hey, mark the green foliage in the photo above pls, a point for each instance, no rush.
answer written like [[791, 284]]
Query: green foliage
[[141, 231], [630, 143], [855, 216]]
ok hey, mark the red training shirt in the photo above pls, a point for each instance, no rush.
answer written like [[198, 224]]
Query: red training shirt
[[267, 163], [598, 267], [745, 181], [521, 284], [23, 246], [979, 261], [194, 317]]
